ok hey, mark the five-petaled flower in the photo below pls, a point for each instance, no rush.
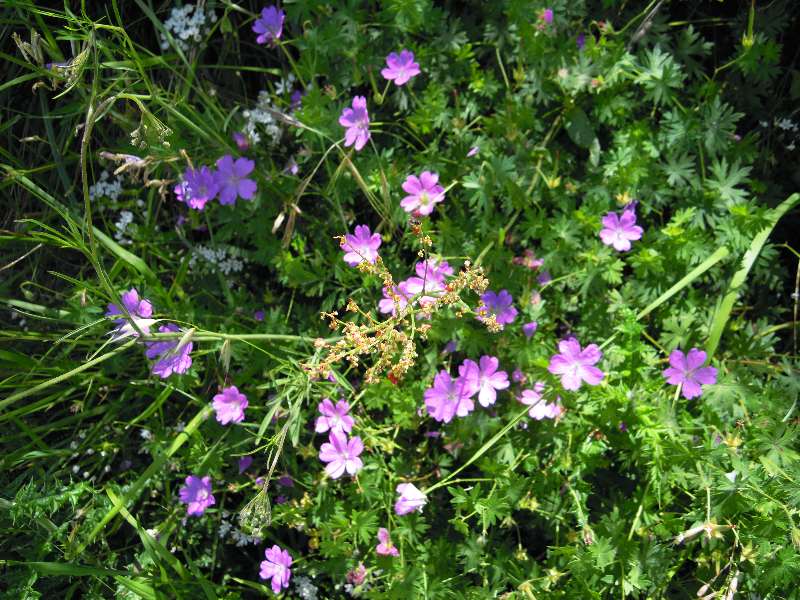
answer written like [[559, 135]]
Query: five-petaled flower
[[356, 121], [363, 246], [574, 365], [484, 378], [410, 500], [385, 546], [140, 311], [276, 568], [233, 181], [501, 305], [620, 231], [196, 494], [229, 405], [539, 408], [687, 371], [341, 454], [269, 26], [530, 328], [424, 192], [449, 397], [197, 187], [400, 67], [173, 357], [334, 417]]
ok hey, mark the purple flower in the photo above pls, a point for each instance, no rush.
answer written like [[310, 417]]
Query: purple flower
[[230, 405], [387, 303], [529, 329], [140, 311], [410, 499], [434, 270], [539, 408], [233, 181], [244, 463], [500, 305], [296, 100], [620, 231], [546, 15], [363, 246], [334, 418], [424, 192], [517, 376], [241, 141], [285, 481], [270, 26], [687, 371], [258, 315], [385, 546], [197, 187], [581, 41], [276, 567], [357, 576], [196, 494], [400, 68], [356, 120], [341, 454], [449, 397], [472, 152], [574, 365], [172, 358], [528, 260], [450, 347], [485, 379], [544, 278]]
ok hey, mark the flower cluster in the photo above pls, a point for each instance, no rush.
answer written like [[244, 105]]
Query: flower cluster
[[227, 182], [187, 23]]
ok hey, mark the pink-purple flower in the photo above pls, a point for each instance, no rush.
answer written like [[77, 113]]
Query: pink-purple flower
[[197, 187], [334, 417], [400, 67], [687, 371], [269, 26], [546, 16], [276, 568], [229, 405], [484, 378], [424, 192], [244, 463], [356, 122], [196, 494], [501, 305], [410, 500], [449, 397], [363, 246], [528, 260], [140, 311], [233, 181], [385, 546], [539, 408], [620, 231], [472, 151], [388, 305], [341, 454], [575, 365], [529, 329], [173, 357], [357, 576], [241, 141]]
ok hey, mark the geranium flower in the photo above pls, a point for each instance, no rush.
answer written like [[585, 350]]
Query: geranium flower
[[528, 260], [244, 463], [241, 141], [529, 329], [424, 192], [410, 499], [484, 378], [276, 568], [363, 246], [687, 371], [233, 181], [230, 405], [400, 67], [448, 398], [196, 494], [539, 408], [385, 546], [357, 575], [472, 151], [500, 305], [546, 16], [356, 120], [334, 417], [341, 454], [197, 187], [140, 311], [269, 26], [620, 231], [575, 366], [387, 305], [171, 357], [434, 270]]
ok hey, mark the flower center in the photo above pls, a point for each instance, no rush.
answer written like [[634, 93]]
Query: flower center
[[424, 199]]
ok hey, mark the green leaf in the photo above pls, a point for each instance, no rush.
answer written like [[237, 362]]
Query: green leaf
[[579, 128]]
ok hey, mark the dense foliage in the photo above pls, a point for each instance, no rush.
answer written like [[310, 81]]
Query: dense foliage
[[551, 245]]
